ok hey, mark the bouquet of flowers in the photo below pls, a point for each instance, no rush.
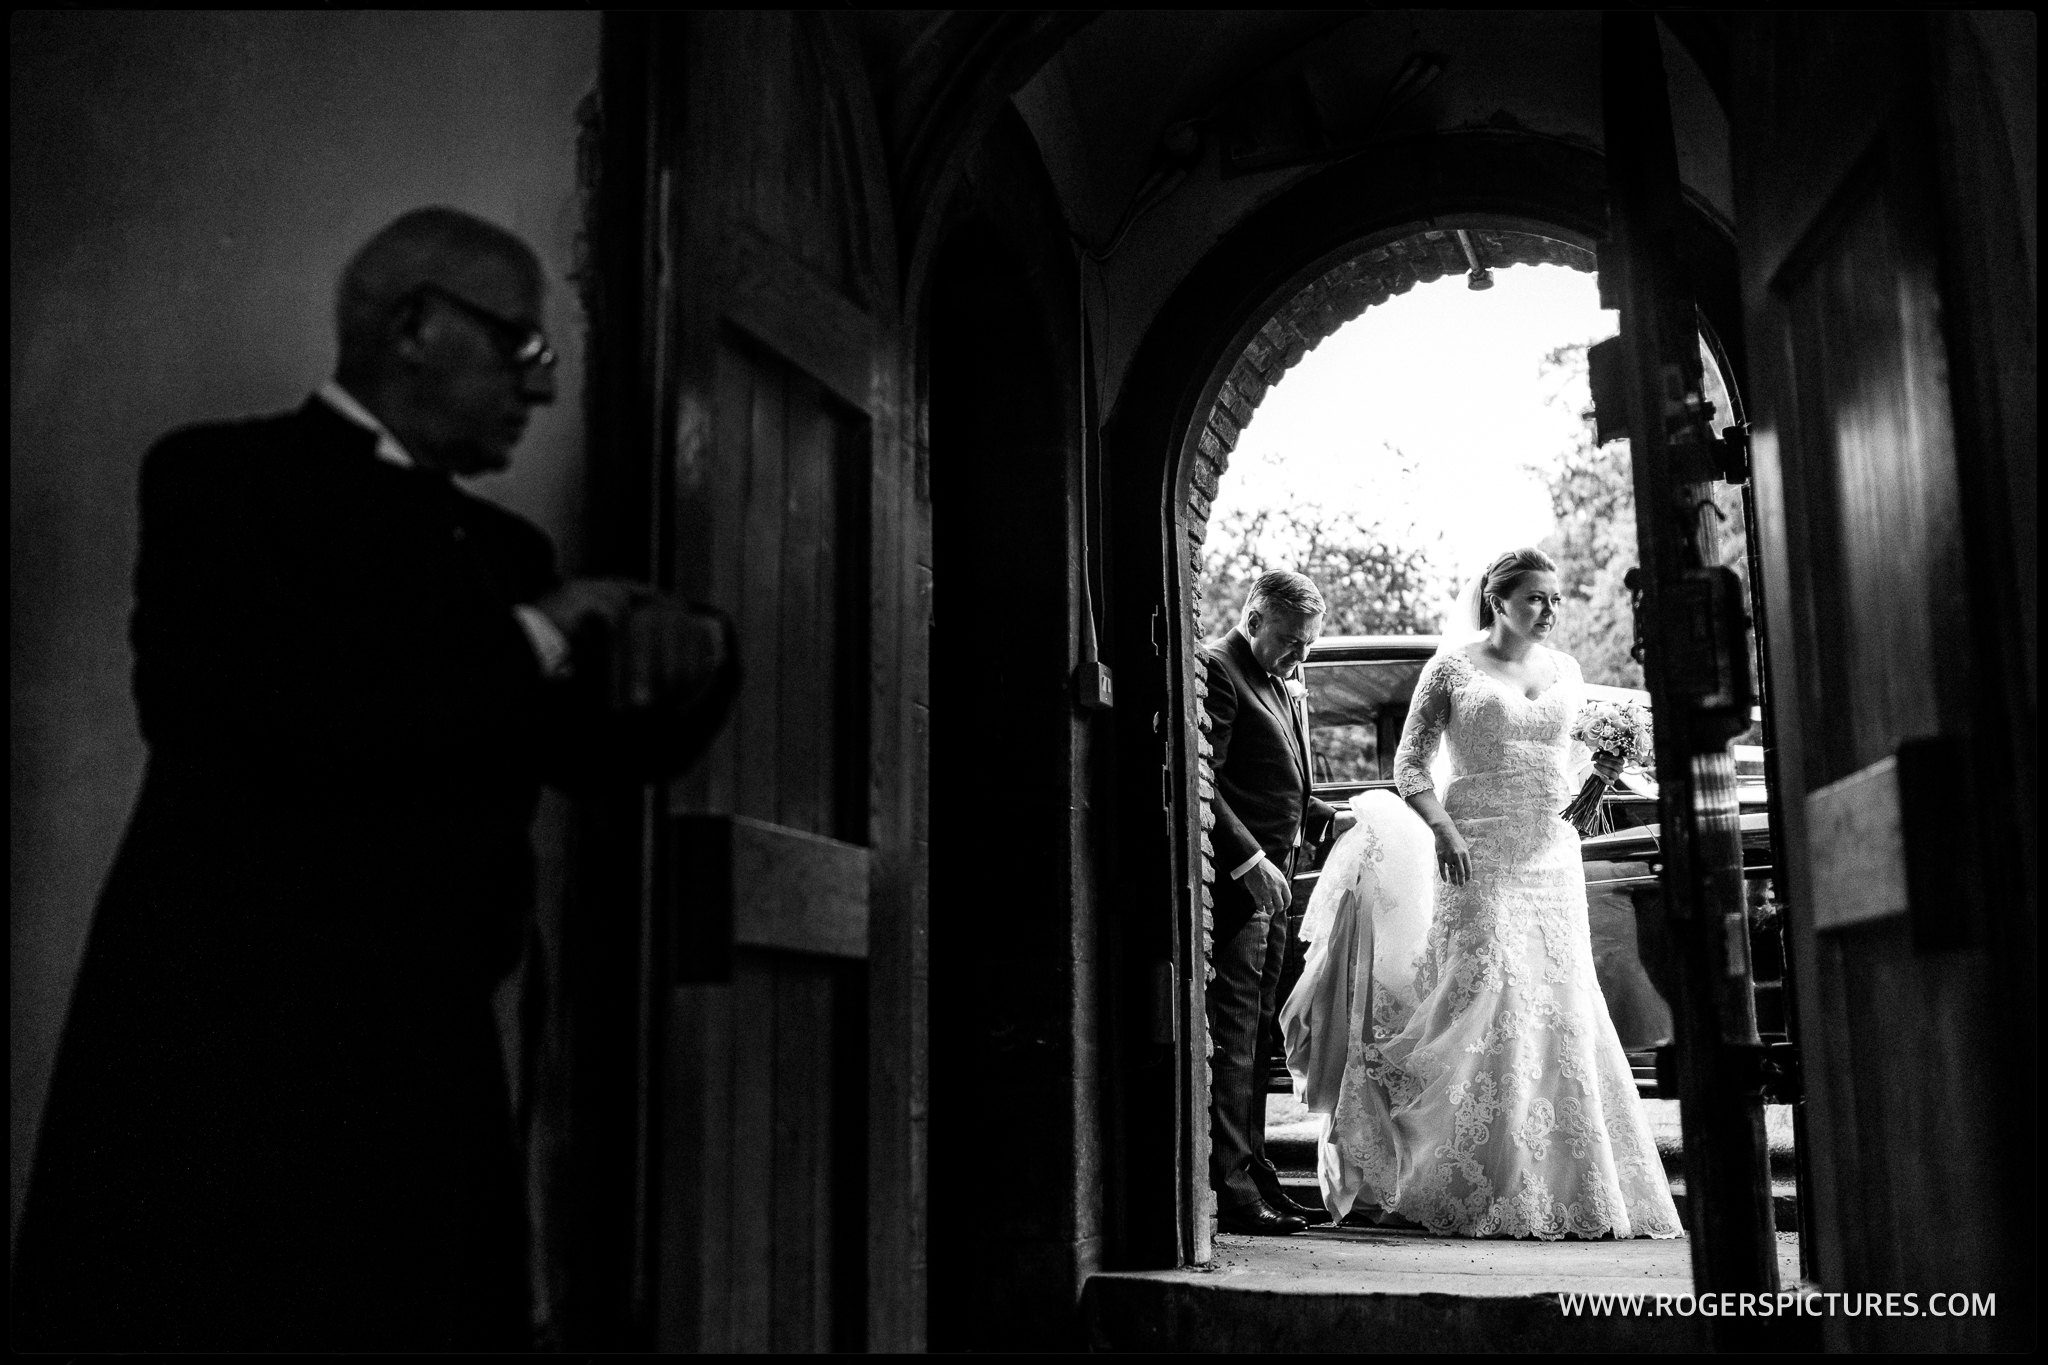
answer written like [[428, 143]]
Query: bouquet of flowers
[[1610, 729]]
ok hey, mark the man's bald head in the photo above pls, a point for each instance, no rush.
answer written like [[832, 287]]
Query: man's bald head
[[440, 329], [440, 246]]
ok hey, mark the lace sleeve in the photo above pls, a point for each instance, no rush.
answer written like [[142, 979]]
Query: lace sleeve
[[1428, 713]]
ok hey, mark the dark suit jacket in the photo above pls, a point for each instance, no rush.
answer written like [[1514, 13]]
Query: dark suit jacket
[[278, 1118], [1259, 750]]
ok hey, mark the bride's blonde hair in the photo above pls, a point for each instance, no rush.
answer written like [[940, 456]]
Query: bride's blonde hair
[[1500, 579]]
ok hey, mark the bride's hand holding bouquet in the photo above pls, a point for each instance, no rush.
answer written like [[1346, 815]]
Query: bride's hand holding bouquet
[[1617, 733]]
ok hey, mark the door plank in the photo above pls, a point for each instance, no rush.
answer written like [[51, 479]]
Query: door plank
[[843, 585], [806, 678], [802, 1209], [751, 1170], [818, 1217], [693, 1292], [899, 559], [1873, 407], [716, 781], [768, 69], [760, 590]]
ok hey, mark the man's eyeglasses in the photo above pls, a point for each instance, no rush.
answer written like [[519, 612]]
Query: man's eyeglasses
[[523, 346]]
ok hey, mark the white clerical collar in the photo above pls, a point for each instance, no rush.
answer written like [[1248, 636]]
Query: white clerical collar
[[342, 401]]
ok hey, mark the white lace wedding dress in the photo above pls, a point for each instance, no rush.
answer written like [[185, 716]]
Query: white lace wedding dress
[[1470, 1077]]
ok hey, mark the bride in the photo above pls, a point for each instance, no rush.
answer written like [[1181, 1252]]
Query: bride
[[1469, 1078]]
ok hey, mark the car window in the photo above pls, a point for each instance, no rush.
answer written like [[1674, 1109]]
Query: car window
[[1356, 711]]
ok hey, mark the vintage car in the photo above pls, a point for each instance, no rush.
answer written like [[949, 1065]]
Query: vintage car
[[1359, 688]]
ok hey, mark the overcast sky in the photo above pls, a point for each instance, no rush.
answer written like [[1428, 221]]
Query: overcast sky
[[1449, 376]]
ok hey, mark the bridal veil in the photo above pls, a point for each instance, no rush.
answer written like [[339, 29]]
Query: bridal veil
[[1364, 933]]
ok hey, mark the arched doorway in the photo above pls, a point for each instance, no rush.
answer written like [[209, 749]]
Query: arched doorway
[[1329, 478], [1290, 275]]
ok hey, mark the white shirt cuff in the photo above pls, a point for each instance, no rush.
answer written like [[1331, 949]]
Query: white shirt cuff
[[1237, 873], [549, 646]]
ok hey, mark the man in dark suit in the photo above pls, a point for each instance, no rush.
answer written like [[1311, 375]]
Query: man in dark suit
[[1265, 815], [278, 1119]]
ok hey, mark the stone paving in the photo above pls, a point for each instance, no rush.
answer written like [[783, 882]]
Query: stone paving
[[1374, 1290], [1384, 1261]]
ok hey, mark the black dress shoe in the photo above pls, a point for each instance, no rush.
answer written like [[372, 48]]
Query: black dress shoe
[[1287, 1208], [1259, 1220]]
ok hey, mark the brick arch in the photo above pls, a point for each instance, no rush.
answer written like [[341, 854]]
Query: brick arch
[[1340, 295]]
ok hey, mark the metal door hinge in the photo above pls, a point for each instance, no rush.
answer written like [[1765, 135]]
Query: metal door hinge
[[1731, 453]]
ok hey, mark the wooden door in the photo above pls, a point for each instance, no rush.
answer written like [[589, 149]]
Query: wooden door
[[1875, 228], [784, 1160]]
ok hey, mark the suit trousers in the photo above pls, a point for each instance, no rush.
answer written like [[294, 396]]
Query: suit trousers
[[1243, 998]]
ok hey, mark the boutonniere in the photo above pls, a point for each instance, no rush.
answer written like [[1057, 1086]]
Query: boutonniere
[[1296, 688]]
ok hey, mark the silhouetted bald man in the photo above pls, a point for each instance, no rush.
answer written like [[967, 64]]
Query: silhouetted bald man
[[278, 1119]]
